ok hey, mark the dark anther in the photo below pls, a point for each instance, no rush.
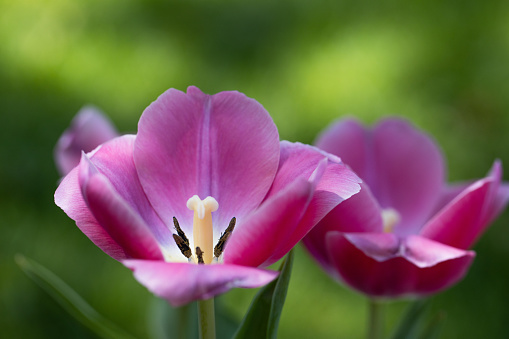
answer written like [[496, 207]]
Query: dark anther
[[199, 255], [181, 240], [224, 237], [184, 248], [180, 232]]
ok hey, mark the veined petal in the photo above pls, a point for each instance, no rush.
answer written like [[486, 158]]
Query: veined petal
[[393, 274], [114, 160], [257, 237], [69, 198], [225, 146], [402, 166], [181, 283], [88, 129], [360, 213], [463, 220], [333, 182], [115, 215]]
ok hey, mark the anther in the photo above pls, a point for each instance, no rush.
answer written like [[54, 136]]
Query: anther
[[181, 240], [199, 255], [179, 231], [219, 248]]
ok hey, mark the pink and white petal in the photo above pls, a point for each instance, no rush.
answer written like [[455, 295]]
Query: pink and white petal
[[114, 160], [394, 277], [89, 128], [182, 283], [409, 172], [349, 140], [449, 192], [225, 146], [463, 220], [360, 213], [69, 198], [114, 214], [258, 236]]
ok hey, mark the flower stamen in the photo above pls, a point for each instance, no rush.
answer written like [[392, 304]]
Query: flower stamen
[[219, 248], [202, 225], [199, 255], [181, 240], [390, 218]]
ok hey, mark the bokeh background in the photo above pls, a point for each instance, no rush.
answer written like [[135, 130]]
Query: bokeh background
[[442, 64]]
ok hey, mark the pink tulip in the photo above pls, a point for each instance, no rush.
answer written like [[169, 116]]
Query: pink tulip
[[88, 129], [130, 194], [406, 233]]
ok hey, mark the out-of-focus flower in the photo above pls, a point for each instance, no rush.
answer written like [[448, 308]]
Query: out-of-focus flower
[[139, 197], [406, 233], [88, 129]]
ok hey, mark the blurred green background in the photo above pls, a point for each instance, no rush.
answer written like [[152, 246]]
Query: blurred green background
[[442, 64]]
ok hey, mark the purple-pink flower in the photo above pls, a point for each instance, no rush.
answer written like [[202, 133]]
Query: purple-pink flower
[[139, 197], [88, 129], [406, 233]]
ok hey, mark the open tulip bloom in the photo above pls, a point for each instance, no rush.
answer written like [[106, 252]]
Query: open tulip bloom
[[204, 197], [406, 233]]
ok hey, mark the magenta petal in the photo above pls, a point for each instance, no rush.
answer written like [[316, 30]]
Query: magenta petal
[[115, 215], [88, 129], [224, 145], [333, 181], [114, 160], [402, 166], [463, 220], [410, 172], [348, 139], [360, 213], [263, 232], [396, 276], [181, 283], [69, 198]]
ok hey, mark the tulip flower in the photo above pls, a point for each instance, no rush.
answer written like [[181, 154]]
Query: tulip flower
[[406, 233], [204, 197], [88, 129]]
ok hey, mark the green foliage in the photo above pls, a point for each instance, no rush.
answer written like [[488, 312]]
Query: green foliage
[[262, 318]]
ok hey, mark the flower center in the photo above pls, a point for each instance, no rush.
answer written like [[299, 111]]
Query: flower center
[[390, 218], [202, 226], [203, 232]]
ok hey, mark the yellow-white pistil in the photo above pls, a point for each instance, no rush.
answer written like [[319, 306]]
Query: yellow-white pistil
[[390, 218], [202, 227]]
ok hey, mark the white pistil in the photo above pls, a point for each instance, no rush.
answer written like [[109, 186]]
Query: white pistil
[[390, 218], [202, 225]]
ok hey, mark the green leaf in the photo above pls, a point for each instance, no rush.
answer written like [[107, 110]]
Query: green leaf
[[262, 318], [71, 301], [409, 325]]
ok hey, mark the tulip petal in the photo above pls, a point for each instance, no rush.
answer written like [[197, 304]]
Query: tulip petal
[[69, 198], [88, 129], [402, 166], [114, 160], [463, 220], [115, 215], [181, 283], [349, 140], [225, 146], [397, 275], [262, 232], [334, 182], [360, 213]]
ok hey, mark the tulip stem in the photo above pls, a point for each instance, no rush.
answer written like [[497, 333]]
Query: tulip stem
[[376, 319], [206, 319]]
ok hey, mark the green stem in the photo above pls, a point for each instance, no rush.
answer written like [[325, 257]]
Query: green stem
[[183, 321], [376, 319], [206, 319]]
